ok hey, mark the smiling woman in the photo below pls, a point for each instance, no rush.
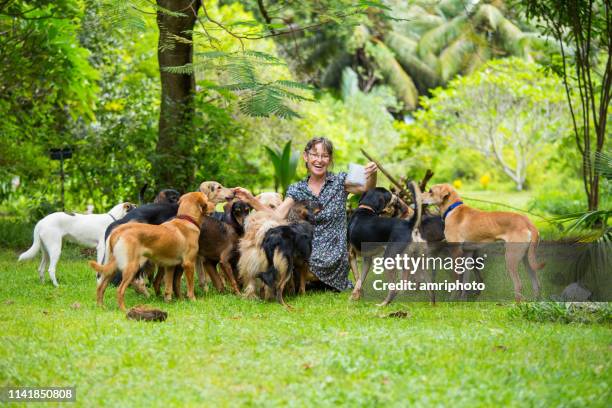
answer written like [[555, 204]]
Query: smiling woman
[[329, 259]]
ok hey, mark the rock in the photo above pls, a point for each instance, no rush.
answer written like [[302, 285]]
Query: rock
[[574, 292]]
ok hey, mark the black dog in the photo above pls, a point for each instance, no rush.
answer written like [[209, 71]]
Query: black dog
[[287, 247], [163, 209], [367, 225]]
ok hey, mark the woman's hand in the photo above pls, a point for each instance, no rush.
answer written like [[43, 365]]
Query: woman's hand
[[243, 194], [370, 169]]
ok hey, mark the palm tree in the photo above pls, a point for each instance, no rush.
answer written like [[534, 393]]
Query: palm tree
[[427, 44]]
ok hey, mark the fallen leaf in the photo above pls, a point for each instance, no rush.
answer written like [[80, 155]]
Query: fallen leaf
[[76, 305], [9, 302], [500, 347], [307, 366], [45, 312]]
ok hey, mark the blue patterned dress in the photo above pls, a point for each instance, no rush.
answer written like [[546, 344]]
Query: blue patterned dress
[[329, 259]]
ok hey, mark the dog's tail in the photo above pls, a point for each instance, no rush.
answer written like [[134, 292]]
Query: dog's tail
[[106, 269], [110, 266], [141, 194], [533, 245], [31, 253]]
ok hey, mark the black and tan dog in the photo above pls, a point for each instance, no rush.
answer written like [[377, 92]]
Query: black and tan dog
[[288, 248], [368, 224]]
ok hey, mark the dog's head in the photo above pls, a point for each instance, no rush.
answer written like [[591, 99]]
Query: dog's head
[[126, 208], [304, 211], [215, 192], [167, 196], [238, 210], [439, 194], [270, 199], [195, 202], [378, 199]]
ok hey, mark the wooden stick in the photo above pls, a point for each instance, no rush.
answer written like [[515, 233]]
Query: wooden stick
[[385, 172], [428, 175]]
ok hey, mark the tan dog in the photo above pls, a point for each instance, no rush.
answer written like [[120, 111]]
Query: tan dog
[[172, 243], [465, 224], [270, 199], [215, 192]]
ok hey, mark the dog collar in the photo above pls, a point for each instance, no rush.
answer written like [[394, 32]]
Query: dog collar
[[366, 207], [188, 218], [111, 215], [452, 207]]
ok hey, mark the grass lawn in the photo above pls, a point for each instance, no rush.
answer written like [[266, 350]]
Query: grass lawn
[[222, 351]]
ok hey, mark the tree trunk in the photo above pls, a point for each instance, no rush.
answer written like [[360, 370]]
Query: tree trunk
[[172, 166]]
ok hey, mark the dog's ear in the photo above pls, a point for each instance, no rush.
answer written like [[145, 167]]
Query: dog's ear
[[445, 192]]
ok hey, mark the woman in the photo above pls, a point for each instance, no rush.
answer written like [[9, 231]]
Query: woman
[[329, 259]]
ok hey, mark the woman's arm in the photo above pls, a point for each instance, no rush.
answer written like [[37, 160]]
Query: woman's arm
[[246, 196], [370, 172]]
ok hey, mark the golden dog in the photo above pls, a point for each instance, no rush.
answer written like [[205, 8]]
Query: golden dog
[[465, 224], [215, 192], [172, 243]]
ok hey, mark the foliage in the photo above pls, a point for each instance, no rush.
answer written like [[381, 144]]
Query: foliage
[[285, 165], [508, 111], [46, 82], [583, 29], [413, 46], [563, 312]]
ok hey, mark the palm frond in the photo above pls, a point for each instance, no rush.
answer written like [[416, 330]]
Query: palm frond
[[395, 76], [425, 76], [435, 40], [453, 59]]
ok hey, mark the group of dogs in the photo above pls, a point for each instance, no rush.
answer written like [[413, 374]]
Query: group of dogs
[[259, 253]]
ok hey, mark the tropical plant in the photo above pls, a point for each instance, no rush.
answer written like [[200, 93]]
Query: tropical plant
[[285, 165], [508, 111], [416, 46]]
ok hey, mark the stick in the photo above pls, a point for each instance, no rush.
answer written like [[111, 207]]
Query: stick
[[386, 173], [428, 175]]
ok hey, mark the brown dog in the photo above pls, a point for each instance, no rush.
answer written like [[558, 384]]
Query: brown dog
[[172, 243], [465, 224]]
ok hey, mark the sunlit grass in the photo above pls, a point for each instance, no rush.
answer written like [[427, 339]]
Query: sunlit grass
[[223, 351]]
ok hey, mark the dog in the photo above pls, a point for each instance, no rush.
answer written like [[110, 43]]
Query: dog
[[172, 243], [270, 199], [370, 222], [216, 192], [463, 224], [161, 210], [218, 243], [252, 259], [287, 247], [85, 229]]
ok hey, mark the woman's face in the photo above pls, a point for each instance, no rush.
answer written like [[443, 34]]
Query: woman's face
[[317, 159]]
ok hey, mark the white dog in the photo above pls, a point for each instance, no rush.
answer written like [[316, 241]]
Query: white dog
[[85, 229]]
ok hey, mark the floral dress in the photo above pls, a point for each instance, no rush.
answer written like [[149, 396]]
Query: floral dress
[[329, 259]]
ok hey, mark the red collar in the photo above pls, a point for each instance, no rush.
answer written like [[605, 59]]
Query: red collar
[[188, 218]]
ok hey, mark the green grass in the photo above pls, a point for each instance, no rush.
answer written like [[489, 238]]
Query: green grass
[[223, 351]]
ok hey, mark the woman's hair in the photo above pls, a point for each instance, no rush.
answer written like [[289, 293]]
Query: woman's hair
[[327, 146]]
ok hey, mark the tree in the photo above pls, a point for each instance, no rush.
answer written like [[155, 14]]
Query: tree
[[413, 46], [507, 111], [583, 29], [175, 20]]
